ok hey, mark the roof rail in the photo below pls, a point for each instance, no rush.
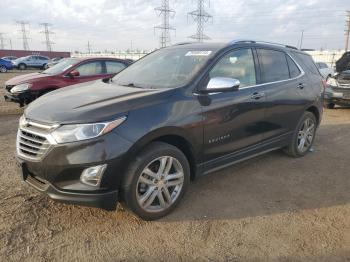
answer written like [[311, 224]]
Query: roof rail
[[262, 42], [184, 43]]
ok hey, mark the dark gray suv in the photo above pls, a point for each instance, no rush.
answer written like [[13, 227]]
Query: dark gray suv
[[174, 115]]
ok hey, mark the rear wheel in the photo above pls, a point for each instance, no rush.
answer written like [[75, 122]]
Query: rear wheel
[[3, 69], [303, 136], [22, 66], [159, 177], [45, 66]]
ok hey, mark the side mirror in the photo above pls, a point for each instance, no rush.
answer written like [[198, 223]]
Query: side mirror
[[73, 73], [222, 84]]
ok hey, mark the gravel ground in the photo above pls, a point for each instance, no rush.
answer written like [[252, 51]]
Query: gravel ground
[[270, 208]]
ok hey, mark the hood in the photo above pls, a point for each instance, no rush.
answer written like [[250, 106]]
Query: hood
[[90, 102], [27, 78]]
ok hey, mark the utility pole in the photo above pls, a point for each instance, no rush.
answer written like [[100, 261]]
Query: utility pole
[[47, 33], [2, 41], [201, 17], [89, 47], [165, 13], [347, 31], [10, 41], [23, 30], [301, 39]]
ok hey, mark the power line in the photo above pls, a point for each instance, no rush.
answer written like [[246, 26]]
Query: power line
[[347, 31], [47, 33], [165, 13], [2, 41], [23, 30], [200, 16]]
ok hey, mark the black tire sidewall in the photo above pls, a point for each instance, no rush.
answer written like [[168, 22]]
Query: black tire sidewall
[[1, 67], [151, 152], [22, 66]]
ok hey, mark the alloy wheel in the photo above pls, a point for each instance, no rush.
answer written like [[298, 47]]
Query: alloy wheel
[[306, 135], [3, 69], [160, 184]]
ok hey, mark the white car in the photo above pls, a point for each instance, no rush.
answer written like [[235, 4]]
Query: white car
[[325, 70]]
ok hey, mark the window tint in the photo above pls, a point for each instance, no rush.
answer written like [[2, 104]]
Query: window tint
[[90, 68], [113, 67], [237, 64], [293, 68], [307, 63], [273, 65]]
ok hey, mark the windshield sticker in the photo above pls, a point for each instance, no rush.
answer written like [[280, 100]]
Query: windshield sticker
[[198, 53]]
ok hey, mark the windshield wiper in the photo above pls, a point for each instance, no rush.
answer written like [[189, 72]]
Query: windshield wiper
[[132, 85]]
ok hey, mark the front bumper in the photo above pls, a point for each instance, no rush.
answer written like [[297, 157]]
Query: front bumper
[[20, 98], [336, 95], [58, 173]]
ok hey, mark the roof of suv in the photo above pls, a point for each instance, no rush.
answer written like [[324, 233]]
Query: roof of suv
[[219, 46]]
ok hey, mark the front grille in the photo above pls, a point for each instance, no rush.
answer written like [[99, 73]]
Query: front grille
[[32, 141]]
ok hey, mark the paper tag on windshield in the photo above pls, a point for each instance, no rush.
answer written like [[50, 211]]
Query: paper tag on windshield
[[198, 53]]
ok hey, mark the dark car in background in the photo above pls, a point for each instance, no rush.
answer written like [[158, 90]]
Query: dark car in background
[[5, 65], [9, 58], [338, 90], [24, 89], [33, 61], [175, 114]]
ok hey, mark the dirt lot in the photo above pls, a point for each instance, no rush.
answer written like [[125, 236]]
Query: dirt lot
[[271, 208]]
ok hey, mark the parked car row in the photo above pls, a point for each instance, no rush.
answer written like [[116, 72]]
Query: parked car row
[[178, 113], [31, 61], [24, 89]]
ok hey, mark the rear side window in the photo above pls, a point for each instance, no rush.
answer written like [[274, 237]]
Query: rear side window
[[113, 67], [238, 64], [293, 68], [307, 63], [273, 65]]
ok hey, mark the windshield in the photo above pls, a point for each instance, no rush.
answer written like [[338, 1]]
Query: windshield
[[62, 66], [165, 68]]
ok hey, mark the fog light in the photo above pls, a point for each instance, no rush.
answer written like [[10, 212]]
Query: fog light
[[92, 176]]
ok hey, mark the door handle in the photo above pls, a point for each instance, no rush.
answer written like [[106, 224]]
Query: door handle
[[301, 86], [257, 95]]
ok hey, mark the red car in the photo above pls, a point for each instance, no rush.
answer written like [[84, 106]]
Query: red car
[[26, 88]]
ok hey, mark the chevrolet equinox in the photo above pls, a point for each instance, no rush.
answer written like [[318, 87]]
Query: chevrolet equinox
[[178, 113]]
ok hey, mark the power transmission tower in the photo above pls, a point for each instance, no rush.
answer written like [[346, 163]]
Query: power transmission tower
[[165, 13], [89, 47], [2, 41], [10, 41], [23, 30], [47, 33], [201, 17], [347, 31]]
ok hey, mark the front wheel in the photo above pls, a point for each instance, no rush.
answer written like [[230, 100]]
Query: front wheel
[[158, 179], [303, 136], [22, 66], [3, 69]]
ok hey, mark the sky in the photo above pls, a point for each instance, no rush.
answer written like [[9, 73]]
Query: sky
[[119, 25]]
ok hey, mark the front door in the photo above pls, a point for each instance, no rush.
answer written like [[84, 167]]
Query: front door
[[233, 120], [88, 71]]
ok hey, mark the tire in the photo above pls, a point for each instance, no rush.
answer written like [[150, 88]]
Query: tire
[[330, 106], [295, 148], [45, 66], [146, 193], [3, 69], [22, 66]]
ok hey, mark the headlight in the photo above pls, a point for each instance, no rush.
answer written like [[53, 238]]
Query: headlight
[[72, 133], [20, 88], [332, 81]]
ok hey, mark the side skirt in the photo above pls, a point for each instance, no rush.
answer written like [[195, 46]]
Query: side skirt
[[244, 154]]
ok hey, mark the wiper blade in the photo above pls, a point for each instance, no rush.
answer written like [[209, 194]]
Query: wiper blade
[[132, 85]]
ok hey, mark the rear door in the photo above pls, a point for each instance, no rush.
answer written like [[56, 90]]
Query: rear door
[[285, 84]]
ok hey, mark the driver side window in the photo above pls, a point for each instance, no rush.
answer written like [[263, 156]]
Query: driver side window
[[90, 69], [238, 64]]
